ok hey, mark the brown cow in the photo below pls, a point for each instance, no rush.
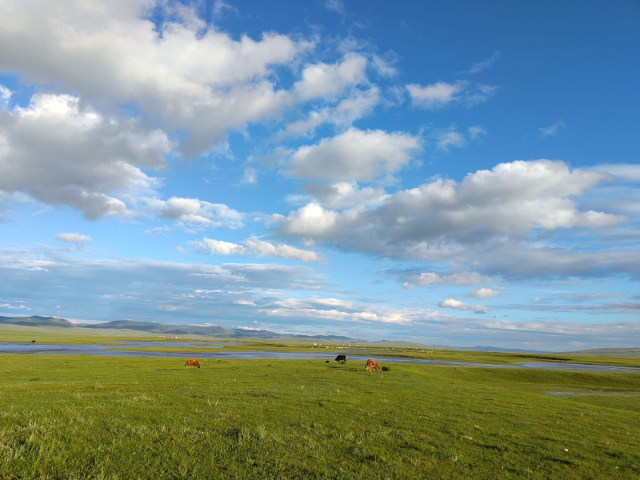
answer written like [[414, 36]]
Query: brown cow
[[192, 363], [371, 365]]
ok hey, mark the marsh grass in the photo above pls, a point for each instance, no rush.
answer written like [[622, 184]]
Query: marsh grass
[[106, 417]]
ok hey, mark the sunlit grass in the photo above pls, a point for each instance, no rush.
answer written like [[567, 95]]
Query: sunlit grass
[[105, 417]]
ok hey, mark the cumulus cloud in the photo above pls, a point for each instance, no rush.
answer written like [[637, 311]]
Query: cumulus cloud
[[76, 238], [255, 246], [441, 94], [458, 305], [355, 155], [511, 199], [326, 80], [196, 213], [344, 194], [63, 153], [482, 293], [553, 130], [110, 51], [356, 105]]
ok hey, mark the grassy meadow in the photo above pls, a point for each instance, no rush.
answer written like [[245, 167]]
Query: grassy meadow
[[64, 416]]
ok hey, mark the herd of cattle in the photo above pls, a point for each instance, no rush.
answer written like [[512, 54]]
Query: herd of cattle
[[371, 364]]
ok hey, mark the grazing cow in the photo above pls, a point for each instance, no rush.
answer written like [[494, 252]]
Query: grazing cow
[[371, 365], [192, 363], [341, 359]]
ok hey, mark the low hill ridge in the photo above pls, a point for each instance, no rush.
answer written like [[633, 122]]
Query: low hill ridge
[[37, 321]]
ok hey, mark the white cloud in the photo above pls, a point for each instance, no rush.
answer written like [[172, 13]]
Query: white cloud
[[478, 95], [196, 213], [344, 194], [8, 306], [331, 309], [385, 65], [511, 199], [476, 132], [63, 153], [445, 139], [76, 238], [336, 6], [263, 249], [436, 95], [216, 247], [425, 279], [479, 66], [355, 106], [354, 155], [458, 305], [110, 51], [440, 94], [626, 172], [220, 7], [309, 221], [254, 246], [5, 96], [553, 130], [327, 80], [482, 293], [249, 177]]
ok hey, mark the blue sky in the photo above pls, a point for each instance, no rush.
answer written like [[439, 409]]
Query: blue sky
[[450, 173]]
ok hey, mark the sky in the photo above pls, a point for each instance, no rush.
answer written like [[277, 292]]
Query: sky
[[451, 173]]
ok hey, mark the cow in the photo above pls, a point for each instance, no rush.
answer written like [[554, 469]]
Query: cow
[[341, 359], [371, 365], [192, 363]]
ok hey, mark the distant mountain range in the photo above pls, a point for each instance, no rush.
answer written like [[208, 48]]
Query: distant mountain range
[[152, 327]]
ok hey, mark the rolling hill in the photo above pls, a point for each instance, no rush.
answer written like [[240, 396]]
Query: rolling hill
[[152, 327], [37, 321]]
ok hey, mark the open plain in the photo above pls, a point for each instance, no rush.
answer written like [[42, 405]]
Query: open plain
[[84, 416]]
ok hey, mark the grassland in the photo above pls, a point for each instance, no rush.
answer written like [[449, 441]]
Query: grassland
[[105, 417], [11, 333]]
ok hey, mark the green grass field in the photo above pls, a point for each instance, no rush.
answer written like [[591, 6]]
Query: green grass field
[[107, 417]]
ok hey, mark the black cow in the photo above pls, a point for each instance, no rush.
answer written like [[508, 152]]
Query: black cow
[[341, 359]]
